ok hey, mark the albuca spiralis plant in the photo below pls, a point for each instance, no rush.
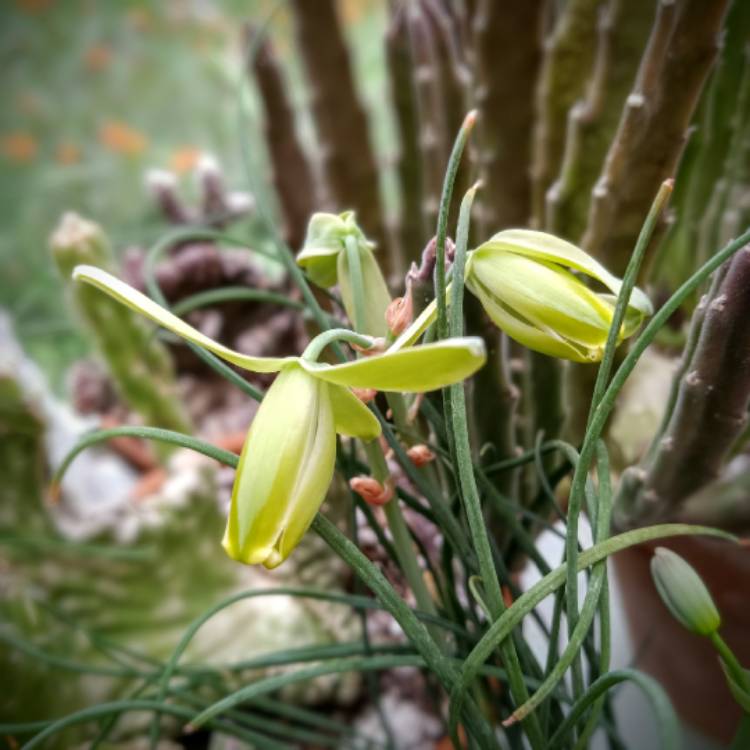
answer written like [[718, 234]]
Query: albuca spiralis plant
[[443, 412]]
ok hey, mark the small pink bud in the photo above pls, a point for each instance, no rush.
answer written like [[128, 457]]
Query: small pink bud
[[399, 315], [371, 491], [420, 454], [365, 395], [378, 347]]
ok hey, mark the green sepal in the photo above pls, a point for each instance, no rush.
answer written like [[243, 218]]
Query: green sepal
[[325, 239], [351, 416]]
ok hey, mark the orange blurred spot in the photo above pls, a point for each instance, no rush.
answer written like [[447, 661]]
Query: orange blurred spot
[[149, 484], [352, 11], [20, 147], [184, 159], [232, 442], [139, 18], [121, 138], [507, 596], [34, 6], [67, 153], [98, 57], [446, 744]]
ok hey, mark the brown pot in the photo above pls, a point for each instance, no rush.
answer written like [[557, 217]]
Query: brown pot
[[684, 663]]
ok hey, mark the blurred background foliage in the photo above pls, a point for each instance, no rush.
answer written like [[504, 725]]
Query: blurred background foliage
[[97, 93]]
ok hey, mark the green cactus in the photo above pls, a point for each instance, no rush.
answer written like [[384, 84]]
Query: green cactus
[[138, 363]]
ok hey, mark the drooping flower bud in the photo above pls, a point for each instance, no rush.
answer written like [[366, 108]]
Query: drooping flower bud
[[372, 491], [527, 283], [420, 454], [325, 257], [284, 472], [684, 593]]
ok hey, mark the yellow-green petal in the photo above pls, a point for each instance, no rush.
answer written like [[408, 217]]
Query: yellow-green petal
[[376, 295], [351, 416], [139, 302], [285, 468], [544, 341], [547, 247], [544, 295], [319, 264], [415, 369], [313, 480], [324, 241]]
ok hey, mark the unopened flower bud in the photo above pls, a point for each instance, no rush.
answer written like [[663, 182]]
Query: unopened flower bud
[[325, 257], [528, 283], [372, 491], [684, 593], [420, 455]]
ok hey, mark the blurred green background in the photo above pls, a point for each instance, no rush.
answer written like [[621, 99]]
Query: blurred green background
[[97, 93]]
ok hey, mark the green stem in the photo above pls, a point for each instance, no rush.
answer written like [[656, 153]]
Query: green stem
[[106, 709], [594, 427], [407, 558], [503, 627], [232, 294], [467, 480], [414, 630], [358, 287], [321, 341], [442, 226], [591, 603], [148, 433], [402, 541], [668, 725], [730, 660]]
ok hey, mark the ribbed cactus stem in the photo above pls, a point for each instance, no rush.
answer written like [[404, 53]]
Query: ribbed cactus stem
[[454, 86], [593, 119], [654, 125], [710, 411], [291, 171], [729, 207], [708, 156], [348, 162], [410, 229], [138, 363], [566, 67], [507, 39], [434, 139]]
